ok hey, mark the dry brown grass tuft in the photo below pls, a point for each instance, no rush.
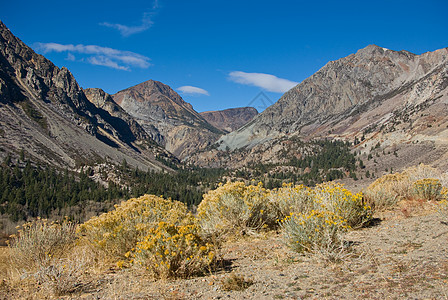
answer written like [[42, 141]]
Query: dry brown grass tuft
[[234, 282], [38, 243]]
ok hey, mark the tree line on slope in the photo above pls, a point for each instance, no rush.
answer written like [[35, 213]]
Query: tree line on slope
[[30, 190]]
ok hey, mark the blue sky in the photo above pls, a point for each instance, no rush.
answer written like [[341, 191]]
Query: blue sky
[[217, 54]]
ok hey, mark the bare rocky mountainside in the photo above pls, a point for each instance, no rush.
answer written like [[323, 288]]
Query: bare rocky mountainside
[[230, 119], [45, 113], [393, 101], [156, 106]]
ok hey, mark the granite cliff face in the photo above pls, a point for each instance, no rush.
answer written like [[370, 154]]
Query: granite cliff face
[[375, 95], [155, 105], [44, 112], [230, 119]]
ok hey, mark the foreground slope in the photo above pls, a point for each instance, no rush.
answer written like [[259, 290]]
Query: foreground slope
[[45, 113], [375, 95], [158, 107]]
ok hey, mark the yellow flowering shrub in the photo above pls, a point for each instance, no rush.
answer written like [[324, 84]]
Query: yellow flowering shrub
[[329, 196], [333, 197], [118, 231], [157, 234], [235, 208], [170, 250], [289, 199], [321, 217], [428, 188], [311, 231], [421, 181]]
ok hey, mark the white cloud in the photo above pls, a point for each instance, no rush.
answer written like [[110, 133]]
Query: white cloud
[[192, 90], [130, 30], [267, 82], [97, 55], [106, 62], [146, 23], [70, 57]]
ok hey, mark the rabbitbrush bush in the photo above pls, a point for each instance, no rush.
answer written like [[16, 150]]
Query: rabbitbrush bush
[[289, 199], [314, 230], [387, 190], [235, 208], [428, 188], [170, 250], [423, 182], [329, 196], [157, 234], [333, 197], [118, 231], [319, 227]]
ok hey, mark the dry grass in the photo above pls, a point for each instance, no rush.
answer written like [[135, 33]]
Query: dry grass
[[46, 255], [235, 282], [64, 276], [38, 243]]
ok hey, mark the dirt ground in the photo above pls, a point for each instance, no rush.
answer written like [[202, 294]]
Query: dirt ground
[[403, 255]]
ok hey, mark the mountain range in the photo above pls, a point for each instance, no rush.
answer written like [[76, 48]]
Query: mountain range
[[45, 113], [376, 98]]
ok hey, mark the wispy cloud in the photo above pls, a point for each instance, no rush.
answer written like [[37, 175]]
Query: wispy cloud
[[70, 57], [145, 24], [192, 90], [130, 30], [97, 55], [267, 82]]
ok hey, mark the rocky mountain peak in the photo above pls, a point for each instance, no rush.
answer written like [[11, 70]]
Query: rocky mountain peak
[[340, 94], [151, 90], [156, 105], [230, 119]]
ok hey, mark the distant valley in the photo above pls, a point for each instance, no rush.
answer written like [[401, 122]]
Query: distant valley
[[358, 117]]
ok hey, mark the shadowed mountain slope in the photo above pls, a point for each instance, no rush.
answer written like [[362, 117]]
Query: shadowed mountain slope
[[44, 112]]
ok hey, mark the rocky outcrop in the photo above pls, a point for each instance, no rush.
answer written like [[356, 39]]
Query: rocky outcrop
[[230, 119], [105, 101], [44, 111], [154, 104]]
